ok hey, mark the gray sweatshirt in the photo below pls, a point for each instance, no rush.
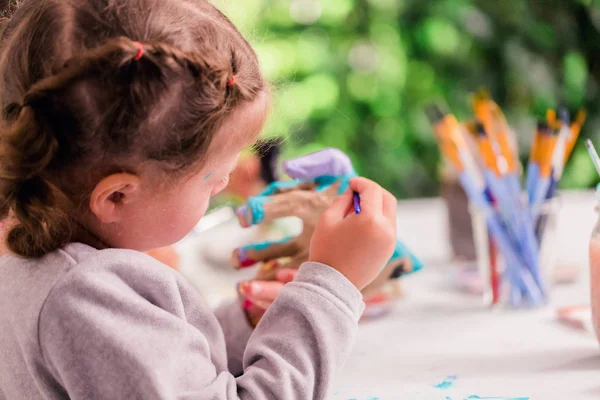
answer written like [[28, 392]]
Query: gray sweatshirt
[[83, 323]]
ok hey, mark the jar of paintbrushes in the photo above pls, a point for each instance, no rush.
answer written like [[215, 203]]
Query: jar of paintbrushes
[[514, 223]]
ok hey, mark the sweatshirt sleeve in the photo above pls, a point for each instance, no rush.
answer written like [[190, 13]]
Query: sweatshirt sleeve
[[304, 338], [237, 330], [109, 333]]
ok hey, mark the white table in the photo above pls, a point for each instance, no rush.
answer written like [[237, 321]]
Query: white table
[[437, 331]]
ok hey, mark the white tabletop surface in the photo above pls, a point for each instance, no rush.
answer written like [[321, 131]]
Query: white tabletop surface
[[437, 332]]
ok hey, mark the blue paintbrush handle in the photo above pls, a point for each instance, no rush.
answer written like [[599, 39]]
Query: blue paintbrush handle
[[539, 195], [533, 175], [525, 232], [551, 188], [517, 273]]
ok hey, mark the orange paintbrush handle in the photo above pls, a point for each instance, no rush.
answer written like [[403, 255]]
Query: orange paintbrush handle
[[443, 132], [546, 149], [492, 118], [551, 118], [443, 125], [575, 130], [452, 131], [451, 154], [541, 131], [482, 110], [506, 150], [487, 154]]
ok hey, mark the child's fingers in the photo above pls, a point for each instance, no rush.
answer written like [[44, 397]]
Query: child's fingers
[[390, 206], [286, 275], [252, 308], [292, 265], [339, 209], [254, 312], [257, 296], [248, 256], [371, 196], [260, 292]]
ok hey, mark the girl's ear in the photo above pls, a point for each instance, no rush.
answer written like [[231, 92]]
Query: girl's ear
[[111, 194]]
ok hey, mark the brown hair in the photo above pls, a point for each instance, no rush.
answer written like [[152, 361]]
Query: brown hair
[[78, 104]]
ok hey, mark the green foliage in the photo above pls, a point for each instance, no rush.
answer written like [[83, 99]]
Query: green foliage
[[355, 74]]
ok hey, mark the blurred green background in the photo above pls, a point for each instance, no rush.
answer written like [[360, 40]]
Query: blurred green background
[[355, 74]]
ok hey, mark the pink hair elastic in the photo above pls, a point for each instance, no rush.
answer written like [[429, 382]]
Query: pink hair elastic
[[140, 52], [232, 81]]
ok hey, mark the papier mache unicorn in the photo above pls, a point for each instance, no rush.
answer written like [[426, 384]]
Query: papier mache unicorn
[[317, 179]]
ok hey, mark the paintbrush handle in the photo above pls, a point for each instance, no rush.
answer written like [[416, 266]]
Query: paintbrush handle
[[518, 274]]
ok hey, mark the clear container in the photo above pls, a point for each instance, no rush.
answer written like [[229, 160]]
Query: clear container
[[595, 269], [491, 263]]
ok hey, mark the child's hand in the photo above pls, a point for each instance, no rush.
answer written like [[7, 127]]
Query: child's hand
[[357, 245], [257, 296]]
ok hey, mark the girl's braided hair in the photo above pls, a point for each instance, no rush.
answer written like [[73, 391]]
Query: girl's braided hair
[[93, 87]]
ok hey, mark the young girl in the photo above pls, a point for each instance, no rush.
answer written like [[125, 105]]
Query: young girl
[[120, 120]]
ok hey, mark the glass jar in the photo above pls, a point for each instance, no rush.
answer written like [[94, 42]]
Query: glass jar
[[492, 263]]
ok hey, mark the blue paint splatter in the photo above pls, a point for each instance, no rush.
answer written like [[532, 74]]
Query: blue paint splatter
[[367, 398], [264, 245], [446, 383], [448, 398], [325, 181], [256, 206], [208, 176], [277, 186], [475, 397]]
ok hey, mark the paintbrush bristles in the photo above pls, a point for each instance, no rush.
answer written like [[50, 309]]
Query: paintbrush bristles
[[593, 154]]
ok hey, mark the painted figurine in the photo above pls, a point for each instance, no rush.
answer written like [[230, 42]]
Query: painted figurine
[[317, 179]]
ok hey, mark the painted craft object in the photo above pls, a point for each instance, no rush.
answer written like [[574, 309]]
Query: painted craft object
[[318, 178]]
